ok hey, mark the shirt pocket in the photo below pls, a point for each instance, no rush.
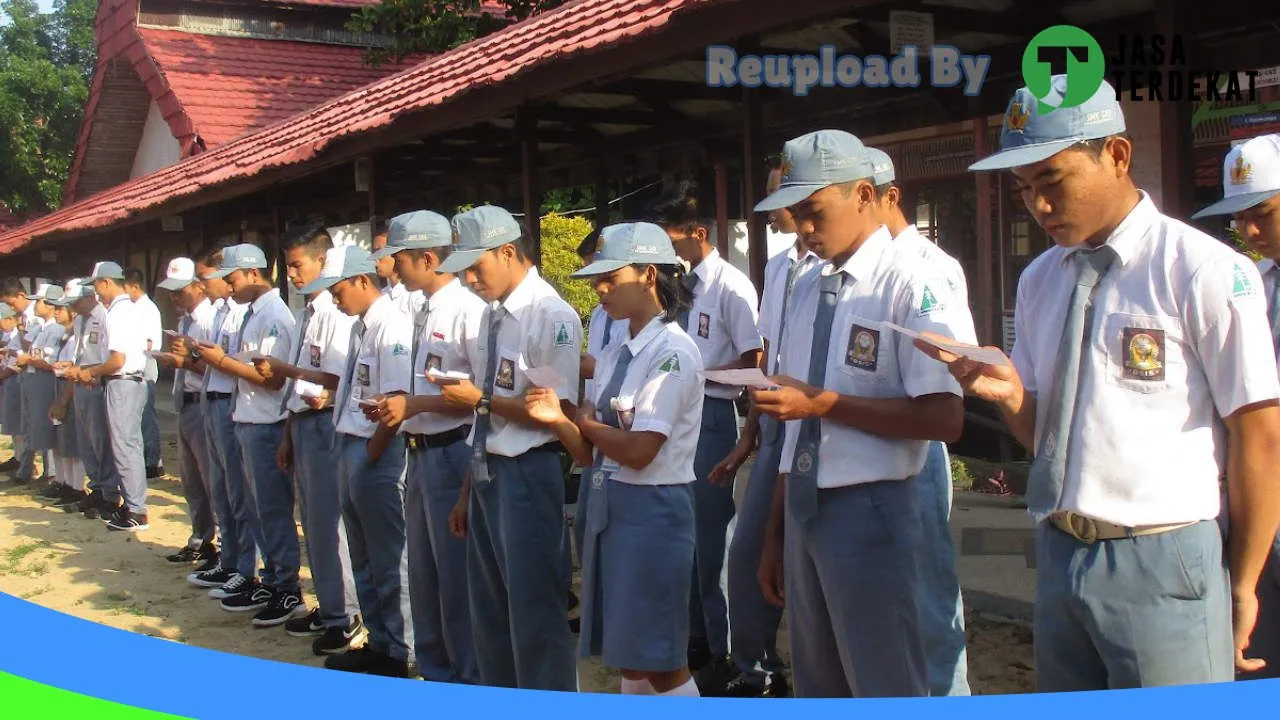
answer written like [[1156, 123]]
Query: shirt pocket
[[1144, 353], [505, 371], [860, 354]]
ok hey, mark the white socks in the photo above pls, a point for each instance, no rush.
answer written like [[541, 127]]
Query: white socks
[[689, 689], [637, 687], [70, 470]]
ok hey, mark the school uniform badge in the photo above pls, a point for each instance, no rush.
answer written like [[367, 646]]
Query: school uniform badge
[[399, 350], [671, 364], [704, 325], [93, 337], [864, 347], [315, 356], [362, 374], [434, 362], [1241, 285], [563, 337], [929, 303], [506, 377], [1143, 354]]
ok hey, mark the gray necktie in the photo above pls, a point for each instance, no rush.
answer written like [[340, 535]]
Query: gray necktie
[[608, 415], [1273, 306], [1049, 469], [802, 484], [179, 387], [307, 314], [353, 357], [239, 347], [419, 322], [479, 444], [218, 318], [608, 330], [690, 282]]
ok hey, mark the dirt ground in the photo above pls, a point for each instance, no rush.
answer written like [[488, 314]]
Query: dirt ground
[[74, 565]]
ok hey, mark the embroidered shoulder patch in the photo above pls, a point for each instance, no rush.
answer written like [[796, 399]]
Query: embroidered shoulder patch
[[671, 364], [399, 350], [929, 303], [562, 335], [274, 331], [1241, 285]]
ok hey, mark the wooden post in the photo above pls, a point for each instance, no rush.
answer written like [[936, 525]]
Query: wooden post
[[602, 193], [753, 184], [983, 279], [722, 207], [1177, 164], [527, 129]]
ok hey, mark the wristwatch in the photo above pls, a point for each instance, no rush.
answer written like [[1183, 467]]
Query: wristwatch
[[482, 407]]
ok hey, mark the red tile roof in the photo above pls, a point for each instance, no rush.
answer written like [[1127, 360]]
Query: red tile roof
[[575, 29], [229, 86]]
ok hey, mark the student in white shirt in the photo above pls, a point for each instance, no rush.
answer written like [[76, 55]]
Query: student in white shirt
[[152, 326], [372, 461], [867, 404], [438, 452], [41, 389], [941, 605], [724, 323], [1251, 184], [193, 447], [267, 330], [638, 437], [755, 621], [14, 294], [237, 569], [409, 301], [90, 403], [8, 331], [517, 569], [66, 457], [126, 394], [1124, 389], [310, 448]]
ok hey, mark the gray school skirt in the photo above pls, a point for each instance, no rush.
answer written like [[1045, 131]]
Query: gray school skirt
[[38, 388], [68, 439], [12, 420], [636, 575]]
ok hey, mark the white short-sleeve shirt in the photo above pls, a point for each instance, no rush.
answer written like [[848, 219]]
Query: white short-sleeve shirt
[[1180, 339], [775, 288], [936, 259], [408, 302], [70, 341], [723, 320], [31, 322], [268, 331], [93, 333], [454, 316], [324, 344], [153, 331], [864, 359], [662, 392], [382, 365], [200, 325], [1270, 276], [125, 334], [45, 344], [601, 333], [540, 329]]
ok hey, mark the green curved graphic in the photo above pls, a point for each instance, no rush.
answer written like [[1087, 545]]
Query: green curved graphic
[[22, 699]]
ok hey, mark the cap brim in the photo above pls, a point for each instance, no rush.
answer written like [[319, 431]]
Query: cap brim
[[1236, 203], [460, 260], [220, 273], [174, 284], [787, 196], [33, 297], [321, 283], [600, 267], [1022, 155], [387, 252]]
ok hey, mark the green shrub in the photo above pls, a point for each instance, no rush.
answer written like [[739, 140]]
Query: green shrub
[[961, 479], [560, 237], [1243, 246]]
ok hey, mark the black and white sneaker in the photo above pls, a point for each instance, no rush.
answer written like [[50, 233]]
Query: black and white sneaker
[[236, 585], [189, 554], [10, 465], [254, 597], [214, 577], [308, 625], [283, 607], [336, 640], [128, 522], [210, 562]]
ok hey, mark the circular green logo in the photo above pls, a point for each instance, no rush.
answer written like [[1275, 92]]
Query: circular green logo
[[1063, 50]]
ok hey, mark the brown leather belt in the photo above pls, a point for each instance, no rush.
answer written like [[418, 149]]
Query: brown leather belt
[[1088, 530]]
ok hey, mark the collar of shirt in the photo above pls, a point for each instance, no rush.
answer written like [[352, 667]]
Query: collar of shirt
[[522, 297], [119, 299], [321, 302], [1266, 266], [443, 295], [377, 310], [395, 292], [638, 343], [264, 298], [707, 267], [864, 261], [204, 306], [793, 255], [1129, 235]]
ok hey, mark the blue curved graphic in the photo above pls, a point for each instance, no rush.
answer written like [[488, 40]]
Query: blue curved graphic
[[65, 652]]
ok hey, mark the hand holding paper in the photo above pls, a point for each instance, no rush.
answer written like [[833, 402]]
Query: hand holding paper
[[308, 389], [750, 377], [985, 355], [435, 374]]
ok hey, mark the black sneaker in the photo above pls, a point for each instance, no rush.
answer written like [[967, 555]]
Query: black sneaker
[[71, 500], [699, 654], [52, 491], [156, 471], [775, 686], [128, 522], [214, 577], [308, 625], [360, 660], [336, 641], [210, 561], [387, 666], [10, 465], [104, 509], [235, 584], [19, 480], [283, 607], [714, 677], [254, 597]]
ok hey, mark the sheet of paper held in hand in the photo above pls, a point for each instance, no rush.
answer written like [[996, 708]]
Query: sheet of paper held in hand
[[308, 389], [990, 356], [750, 377], [451, 375]]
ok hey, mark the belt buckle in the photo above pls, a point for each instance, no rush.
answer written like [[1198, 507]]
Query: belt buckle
[[1083, 528]]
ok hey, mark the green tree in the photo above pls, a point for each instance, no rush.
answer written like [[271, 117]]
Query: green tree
[[46, 61], [418, 27]]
